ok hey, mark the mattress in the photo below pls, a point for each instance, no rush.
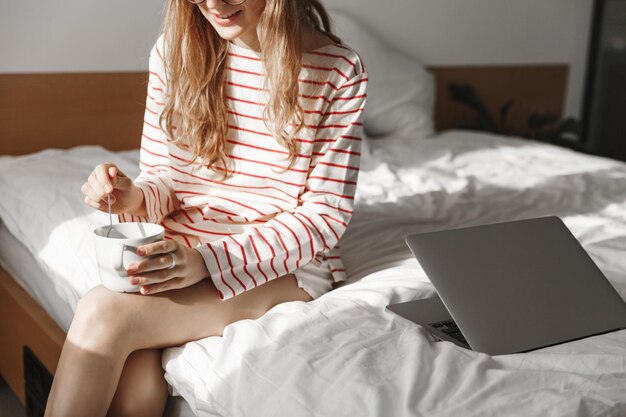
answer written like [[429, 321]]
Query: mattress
[[24, 268], [343, 354]]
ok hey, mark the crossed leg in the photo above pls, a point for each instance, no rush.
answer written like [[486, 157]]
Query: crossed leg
[[141, 390], [115, 340]]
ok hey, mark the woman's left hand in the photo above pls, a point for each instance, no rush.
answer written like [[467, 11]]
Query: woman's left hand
[[168, 265]]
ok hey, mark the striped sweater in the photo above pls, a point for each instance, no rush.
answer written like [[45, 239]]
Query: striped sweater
[[263, 221]]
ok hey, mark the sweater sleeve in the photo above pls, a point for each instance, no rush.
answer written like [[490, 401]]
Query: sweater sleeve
[[154, 159], [243, 261]]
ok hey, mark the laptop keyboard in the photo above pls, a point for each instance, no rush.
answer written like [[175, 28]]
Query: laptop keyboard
[[450, 328]]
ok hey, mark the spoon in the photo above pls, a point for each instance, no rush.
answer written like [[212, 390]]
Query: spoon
[[110, 217]]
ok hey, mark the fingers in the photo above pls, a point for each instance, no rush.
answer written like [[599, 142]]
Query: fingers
[[172, 284], [89, 192], [188, 269], [95, 204], [152, 264], [157, 248], [98, 184], [153, 274], [113, 171], [103, 180], [93, 198], [154, 277], [157, 264], [159, 279]]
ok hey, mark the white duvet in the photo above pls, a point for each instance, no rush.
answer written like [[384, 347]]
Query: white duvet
[[342, 354]]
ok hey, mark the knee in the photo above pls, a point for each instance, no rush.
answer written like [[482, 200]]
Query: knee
[[101, 320]]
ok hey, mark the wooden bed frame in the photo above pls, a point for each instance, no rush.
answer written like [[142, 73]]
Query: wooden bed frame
[[39, 111]]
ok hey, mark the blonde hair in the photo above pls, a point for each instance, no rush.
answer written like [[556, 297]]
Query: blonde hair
[[196, 113]]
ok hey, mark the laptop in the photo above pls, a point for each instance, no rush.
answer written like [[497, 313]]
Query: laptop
[[511, 287]]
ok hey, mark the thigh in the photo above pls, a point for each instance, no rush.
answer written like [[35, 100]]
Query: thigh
[[178, 316]]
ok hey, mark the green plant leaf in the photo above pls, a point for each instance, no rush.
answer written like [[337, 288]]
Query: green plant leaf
[[467, 95], [533, 120], [504, 111], [548, 119]]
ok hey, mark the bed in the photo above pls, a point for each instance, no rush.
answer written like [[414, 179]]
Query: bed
[[343, 354]]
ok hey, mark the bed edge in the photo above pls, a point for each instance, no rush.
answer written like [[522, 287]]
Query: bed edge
[[24, 323]]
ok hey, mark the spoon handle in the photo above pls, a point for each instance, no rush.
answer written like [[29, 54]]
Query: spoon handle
[[110, 216]]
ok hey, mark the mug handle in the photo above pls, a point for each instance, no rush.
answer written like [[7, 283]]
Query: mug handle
[[117, 258]]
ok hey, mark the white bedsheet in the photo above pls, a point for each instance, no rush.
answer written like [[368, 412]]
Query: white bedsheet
[[24, 268], [343, 354]]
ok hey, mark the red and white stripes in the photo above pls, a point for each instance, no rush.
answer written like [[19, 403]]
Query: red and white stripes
[[265, 220]]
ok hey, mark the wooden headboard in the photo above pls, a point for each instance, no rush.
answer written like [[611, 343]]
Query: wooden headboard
[[65, 110], [38, 111], [535, 88]]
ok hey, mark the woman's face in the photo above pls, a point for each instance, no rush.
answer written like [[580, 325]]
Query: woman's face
[[235, 23]]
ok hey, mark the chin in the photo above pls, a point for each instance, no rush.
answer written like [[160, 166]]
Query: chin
[[228, 34]]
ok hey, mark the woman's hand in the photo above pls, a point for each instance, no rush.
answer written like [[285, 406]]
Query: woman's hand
[[108, 179], [164, 272]]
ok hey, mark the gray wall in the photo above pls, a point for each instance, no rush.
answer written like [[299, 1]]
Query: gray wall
[[450, 32], [116, 35], [77, 35]]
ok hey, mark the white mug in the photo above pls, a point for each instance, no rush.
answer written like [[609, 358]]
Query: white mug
[[115, 252]]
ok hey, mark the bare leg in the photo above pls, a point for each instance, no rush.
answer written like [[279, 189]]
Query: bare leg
[[142, 390], [109, 326]]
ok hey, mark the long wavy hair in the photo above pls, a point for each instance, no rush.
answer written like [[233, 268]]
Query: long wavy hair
[[196, 113]]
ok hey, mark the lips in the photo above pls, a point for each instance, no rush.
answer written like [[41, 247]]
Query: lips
[[226, 20], [227, 16]]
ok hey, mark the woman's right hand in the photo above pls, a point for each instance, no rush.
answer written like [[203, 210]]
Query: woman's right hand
[[108, 179]]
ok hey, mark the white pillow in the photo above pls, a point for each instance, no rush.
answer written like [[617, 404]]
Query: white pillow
[[400, 93]]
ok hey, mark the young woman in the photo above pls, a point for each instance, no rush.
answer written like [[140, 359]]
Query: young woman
[[249, 158]]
